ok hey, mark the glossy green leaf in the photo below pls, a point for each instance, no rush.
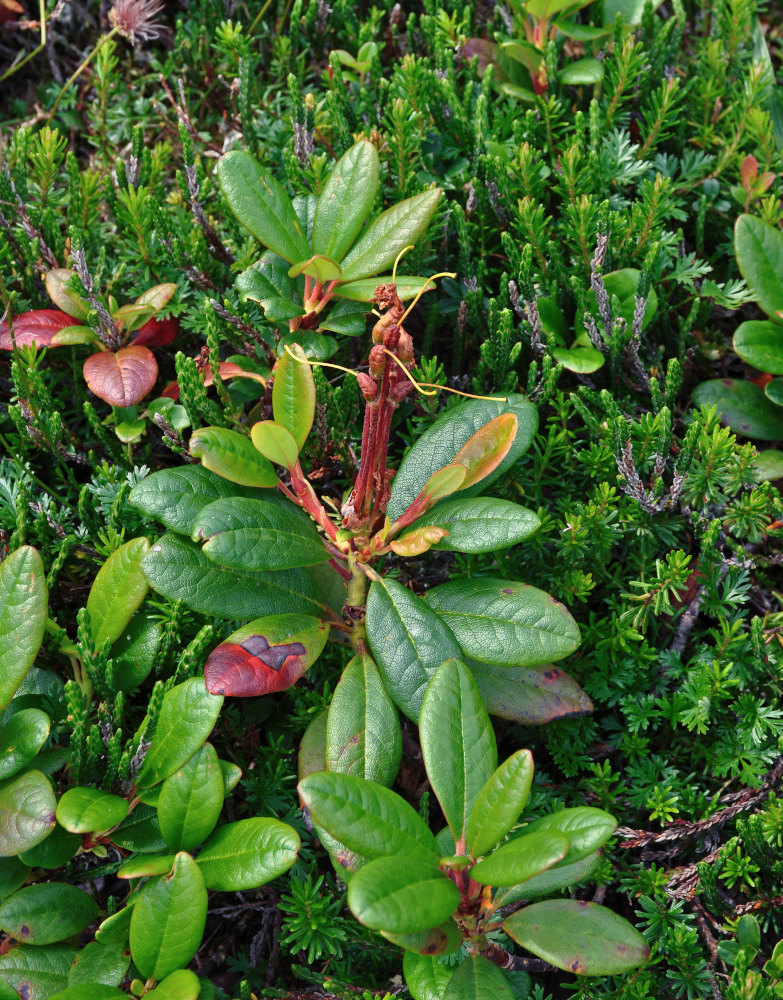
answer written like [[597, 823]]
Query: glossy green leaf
[[140, 831], [27, 805], [190, 800], [631, 10], [255, 535], [585, 827], [442, 440], [168, 920], [363, 735], [499, 803], [347, 318], [24, 599], [623, 286], [560, 876], [530, 695], [315, 345], [117, 591], [53, 852], [584, 360], [774, 391], [179, 985], [444, 939], [367, 818], [457, 742], [231, 455], [521, 858], [346, 200], [363, 290], [175, 496], [579, 937], [21, 737], [146, 865], [503, 622], [247, 854], [267, 282], [261, 205], [581, 72], [481, 524], [759, 250], [398, 227], [88, 991], [114, 930], [88, 810], [743, 407], [178, 569], [293, 394], [401, 894], [13, 873], [760, 343], [100, 963], [134, 652], [478, 979], [769, 465], [47, 912], [305, 206], [425, 976], [186, 719], [318, 267], [37, 973], [408, 642]]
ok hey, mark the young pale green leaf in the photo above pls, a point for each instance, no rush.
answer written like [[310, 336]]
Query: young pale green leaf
[[481, 524], [367, 818], [743, 407], [27, 805], [346, 200], [404, 895], [267, 283], [87, 991], [168, 920], [24, 600], [312, 748], [585, 827], [261, 205], [444, 939], [444, 482], [178, 569], [57, 281], [293, 394], [478, 979], [760, 343], [232, 456], [457, 742], [21, 738], [255, 535], [440, 443], [114, 930], [408, 287], [396, 228], [363, 735], [408, 641], [530, 695], [520, 859], [146, 865], [57, 850], [275, 443], [582, 72], [503, 622], [321, 268], [560, 876], [485, 450], [584, 360], [190, 800], [425, 977], [417, 541], [117, 591], [89, 810], [578, 937], [99, 963], [759, 250], [47, 912], [175, 496], [180, 985], [499, 804], [186, 718], [247, 854]]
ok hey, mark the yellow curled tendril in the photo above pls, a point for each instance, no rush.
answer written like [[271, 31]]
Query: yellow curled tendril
[[435, 387], [397, 261]]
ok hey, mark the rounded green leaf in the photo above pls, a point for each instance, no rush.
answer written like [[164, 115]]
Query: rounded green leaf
[[503, 622], [396, 228], [261, 205], [37, 972], [231, 774], [774, 391], [190, 800], [187, 717], [89, 810], [404, 895], [47, 912], [560, 876], [408, 287], [583, 360], [759, 250], [499, 804], [100, 963], [275, 443], [760, 343], [439, 444], [530, 695], [578, 937], [444, 939], [521, 859], [346, 200], [481, 524], [27, 806], [21, 738], [116, 928], [145, 865], [117, 591], [743, 407], [133, 654], [232, 456], [582, 71], [478, 979], [368, 818], [425, 977], [585, 827], [255, 535], [408, 642], [363, 735], [247, 854], [24, 600], [13, 873], [293, 394], [321, 268], [769, 465], [168, 920], [88, 991], [180, 985], [457, 742], [140, 832], [58, 848], [267, 282]]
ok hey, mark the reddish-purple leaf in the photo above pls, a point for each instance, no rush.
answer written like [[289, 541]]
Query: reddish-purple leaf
[[36, 327], [228, 369], [157, 332], [124, 378], [253, 667]]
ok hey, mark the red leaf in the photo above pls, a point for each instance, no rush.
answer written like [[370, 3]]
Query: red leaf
[[157, 332], [254, 667], [228, 369], [36, 327], [124, 378], [9, 9]]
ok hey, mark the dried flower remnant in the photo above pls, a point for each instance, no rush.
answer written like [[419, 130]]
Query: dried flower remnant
[[136, 20]]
